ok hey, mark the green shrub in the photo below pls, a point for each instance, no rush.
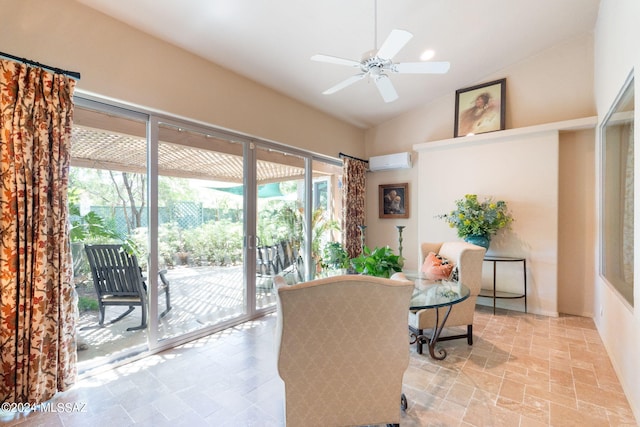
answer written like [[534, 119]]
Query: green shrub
[[87, 304]]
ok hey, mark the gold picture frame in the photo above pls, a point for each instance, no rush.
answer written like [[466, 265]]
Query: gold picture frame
[[393, 200]]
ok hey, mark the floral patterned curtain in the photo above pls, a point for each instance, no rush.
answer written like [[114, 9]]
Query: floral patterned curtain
[[37, 307], [353, 194]]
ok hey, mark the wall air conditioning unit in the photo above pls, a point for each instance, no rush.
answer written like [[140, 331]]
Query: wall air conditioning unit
[[390, 162]]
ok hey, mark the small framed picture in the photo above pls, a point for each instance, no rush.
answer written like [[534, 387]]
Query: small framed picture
[[480, 109], [393, 200]]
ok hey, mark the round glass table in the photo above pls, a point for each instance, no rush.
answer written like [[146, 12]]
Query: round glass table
[[430, 294]]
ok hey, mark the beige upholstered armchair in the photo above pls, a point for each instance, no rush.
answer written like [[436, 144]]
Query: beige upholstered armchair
[[468, 259], [342, 349]]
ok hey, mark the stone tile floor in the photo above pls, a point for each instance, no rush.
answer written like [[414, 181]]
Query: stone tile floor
[[523, 370]]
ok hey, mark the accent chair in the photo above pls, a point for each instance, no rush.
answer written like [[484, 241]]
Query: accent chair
[[467, 259], [343, 348]]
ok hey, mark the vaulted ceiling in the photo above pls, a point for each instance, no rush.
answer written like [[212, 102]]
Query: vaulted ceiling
[[272, 41]]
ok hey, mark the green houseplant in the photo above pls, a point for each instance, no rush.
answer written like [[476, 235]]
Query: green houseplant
[[335, 256], [477, 221], [380, 262]]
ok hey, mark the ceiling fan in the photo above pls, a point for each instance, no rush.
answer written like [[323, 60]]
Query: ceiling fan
[[376, 63]]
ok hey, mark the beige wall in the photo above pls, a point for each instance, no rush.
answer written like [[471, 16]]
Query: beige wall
[[554, 85], [521, 168], [112, 57], [617, 53], [549, 182], [577, 223], [548, 179]]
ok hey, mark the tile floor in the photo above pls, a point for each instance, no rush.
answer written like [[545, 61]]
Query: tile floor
[[523, 370]]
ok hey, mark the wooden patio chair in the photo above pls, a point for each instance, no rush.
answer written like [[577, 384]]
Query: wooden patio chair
[[118, 281]]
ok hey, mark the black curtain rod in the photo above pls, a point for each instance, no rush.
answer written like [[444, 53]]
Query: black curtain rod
[[73, 74], [351, 157]]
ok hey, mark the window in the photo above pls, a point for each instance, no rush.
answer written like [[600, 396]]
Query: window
[[617, 249]]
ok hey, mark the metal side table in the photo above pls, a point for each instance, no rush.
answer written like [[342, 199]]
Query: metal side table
[[493, 293]]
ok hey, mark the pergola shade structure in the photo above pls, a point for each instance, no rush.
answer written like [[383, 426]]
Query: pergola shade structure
[[99, 149], [104, 141]]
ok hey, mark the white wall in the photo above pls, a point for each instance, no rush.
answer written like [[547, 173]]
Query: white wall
[[617, 53]]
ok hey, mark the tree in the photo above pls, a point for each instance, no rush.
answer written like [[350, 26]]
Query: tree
[[133, 198], [126, 191]]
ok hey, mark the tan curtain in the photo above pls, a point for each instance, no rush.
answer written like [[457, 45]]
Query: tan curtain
[[37, 307], [353, 194]]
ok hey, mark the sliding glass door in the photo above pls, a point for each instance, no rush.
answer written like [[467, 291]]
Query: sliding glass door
[[200, 238], [280, 201], [211, 215], [107, 204], [298, 217]]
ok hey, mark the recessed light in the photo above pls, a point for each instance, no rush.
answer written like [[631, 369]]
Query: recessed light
[[427, 54]]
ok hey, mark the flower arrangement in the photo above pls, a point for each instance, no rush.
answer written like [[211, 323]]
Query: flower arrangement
[[474, 218]]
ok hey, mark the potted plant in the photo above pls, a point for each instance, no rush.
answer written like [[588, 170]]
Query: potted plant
[[477, 221], [380, 262], [335, 256]]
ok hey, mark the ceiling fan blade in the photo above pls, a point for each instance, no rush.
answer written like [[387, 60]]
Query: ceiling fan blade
[[351, 80], [385, 87], [335, 60], [392, 45], [421, 67]]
